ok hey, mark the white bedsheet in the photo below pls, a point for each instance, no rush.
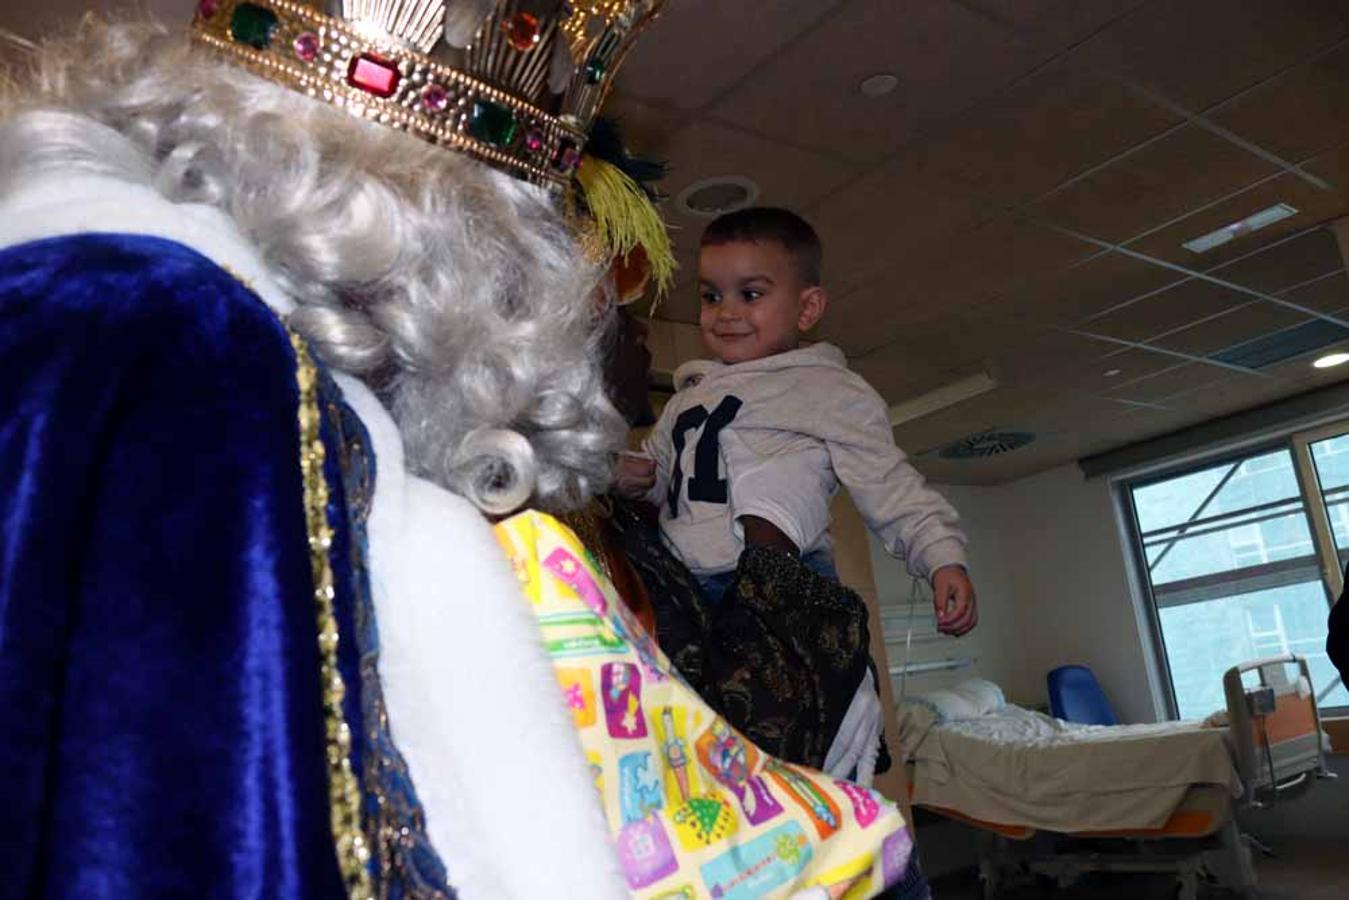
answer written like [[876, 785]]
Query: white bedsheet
[[1018, 767]]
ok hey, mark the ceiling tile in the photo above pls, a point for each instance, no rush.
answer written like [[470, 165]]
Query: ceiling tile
[[996, 257], [1240, 324], [808, 94], [899, 376], [1121, 367], [914, 324], [1328, 295], [646, 126], [1039, 133], [1086, 289], [882, 312], [1072, 412], [786, 176], [1174, 308], [1055, 22], [697, 49], [942, 282], [1017, 358], [1313, 204], [891, 213], [1300, 113], [1164, 180], [1167, 383], [1051, 359], [1233, 392], [1333, 166], [1286, 263], [1198, 52]]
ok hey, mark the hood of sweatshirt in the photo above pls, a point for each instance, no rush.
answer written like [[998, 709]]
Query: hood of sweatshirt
[[816, 355]]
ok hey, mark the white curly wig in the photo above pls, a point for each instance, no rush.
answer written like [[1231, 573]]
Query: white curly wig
[[455, 291]]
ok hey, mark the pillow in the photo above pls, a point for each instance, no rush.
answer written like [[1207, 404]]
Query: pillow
[[983, 695], [970, 699]]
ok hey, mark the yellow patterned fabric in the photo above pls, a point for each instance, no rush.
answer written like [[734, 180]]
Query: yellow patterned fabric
[[695, 810]]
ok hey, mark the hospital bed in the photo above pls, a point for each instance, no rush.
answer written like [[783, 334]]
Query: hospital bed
[[1055, 801]]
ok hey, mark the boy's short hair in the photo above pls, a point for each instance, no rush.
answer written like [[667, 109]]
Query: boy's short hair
[[767, 223]]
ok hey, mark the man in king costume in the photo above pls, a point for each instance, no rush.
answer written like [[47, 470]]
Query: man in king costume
[[289, 306]]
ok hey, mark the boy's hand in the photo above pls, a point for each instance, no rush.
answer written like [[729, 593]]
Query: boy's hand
[[634, 477], [763, 533], [953, 597]]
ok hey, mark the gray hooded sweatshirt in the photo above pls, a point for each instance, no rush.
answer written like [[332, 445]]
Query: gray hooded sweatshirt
[[773, 438]]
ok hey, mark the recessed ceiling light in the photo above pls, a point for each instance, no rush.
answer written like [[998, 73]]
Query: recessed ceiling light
[[714, 196], [878, 85], [1112, 373], [1228, 233], [1331, 360]]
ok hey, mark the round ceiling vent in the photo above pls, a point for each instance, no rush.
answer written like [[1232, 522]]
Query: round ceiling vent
[[714, 196], [986, 444]]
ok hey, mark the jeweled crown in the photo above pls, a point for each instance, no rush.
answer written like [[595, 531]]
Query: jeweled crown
[[515, 83]]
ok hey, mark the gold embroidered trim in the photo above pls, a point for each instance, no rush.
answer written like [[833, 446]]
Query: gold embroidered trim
[[344, 795]]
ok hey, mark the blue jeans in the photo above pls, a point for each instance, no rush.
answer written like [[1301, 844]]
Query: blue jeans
[[714, 586]]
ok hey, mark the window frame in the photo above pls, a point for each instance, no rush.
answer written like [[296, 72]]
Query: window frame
[[1298, 445]]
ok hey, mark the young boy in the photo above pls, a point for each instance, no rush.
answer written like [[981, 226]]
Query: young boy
[[753, 446]]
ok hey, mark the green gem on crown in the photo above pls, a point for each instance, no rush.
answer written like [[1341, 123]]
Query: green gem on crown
[[492, 123], [595, 69], [253, 25]]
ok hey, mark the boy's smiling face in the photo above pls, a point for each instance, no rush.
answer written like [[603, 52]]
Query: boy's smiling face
[[754, 301]]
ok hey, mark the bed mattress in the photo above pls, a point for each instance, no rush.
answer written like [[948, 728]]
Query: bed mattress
[[1022, 768]]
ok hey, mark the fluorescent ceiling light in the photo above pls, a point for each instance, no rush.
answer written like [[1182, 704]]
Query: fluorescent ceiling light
[[1228, 233], [941, 398], [1331, 360]]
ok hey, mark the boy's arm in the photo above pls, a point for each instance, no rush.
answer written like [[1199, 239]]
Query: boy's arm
[[913, 521], [657, 445]]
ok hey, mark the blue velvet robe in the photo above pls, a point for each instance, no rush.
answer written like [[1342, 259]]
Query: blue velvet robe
[[161, 721]]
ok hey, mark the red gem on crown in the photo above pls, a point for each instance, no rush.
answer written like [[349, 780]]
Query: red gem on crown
[[373, 75]]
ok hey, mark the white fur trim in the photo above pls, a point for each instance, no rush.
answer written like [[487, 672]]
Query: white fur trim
[[473, 703], [855, 747], [96, 204]]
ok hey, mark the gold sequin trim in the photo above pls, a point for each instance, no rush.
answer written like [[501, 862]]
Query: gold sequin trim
[[344, 795]]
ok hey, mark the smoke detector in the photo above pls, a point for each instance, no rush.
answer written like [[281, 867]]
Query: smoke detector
[[986, 444]]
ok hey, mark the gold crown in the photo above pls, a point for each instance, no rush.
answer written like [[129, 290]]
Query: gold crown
[[515, 83]]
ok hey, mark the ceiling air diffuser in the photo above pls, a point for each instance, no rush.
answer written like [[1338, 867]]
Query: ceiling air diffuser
[[986, 444]]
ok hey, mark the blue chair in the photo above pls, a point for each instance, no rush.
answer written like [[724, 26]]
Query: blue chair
[[1076, 696]]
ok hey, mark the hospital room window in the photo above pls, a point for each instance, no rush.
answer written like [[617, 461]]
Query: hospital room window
[[1234, 564]]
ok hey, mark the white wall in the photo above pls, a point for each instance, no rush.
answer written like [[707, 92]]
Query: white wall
[[998, 656], [1072, 587], [1054, 588]]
